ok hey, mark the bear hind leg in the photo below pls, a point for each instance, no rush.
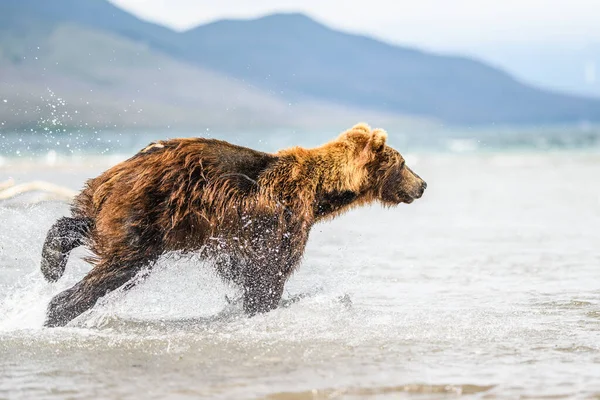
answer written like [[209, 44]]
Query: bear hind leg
[[73, 302], [65, 235]]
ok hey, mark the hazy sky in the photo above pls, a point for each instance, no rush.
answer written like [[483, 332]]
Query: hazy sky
[[434, 24]]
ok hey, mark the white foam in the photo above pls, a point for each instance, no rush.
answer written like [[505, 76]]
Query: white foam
[[24, 306]]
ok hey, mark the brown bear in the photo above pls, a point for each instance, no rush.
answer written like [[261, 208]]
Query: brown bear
[[246, 212]]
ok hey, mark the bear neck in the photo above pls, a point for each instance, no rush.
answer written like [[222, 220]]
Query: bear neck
[[323, 182]]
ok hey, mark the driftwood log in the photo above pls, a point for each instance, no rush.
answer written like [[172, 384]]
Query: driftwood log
[[7, 184], [9, 190]]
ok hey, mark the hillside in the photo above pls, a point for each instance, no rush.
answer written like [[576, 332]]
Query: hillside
[[309, 59], [572, 69], [283, 70], [58, 73], [106, 81]]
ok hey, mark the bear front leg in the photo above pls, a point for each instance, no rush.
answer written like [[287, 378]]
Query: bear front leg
[[262, 294]]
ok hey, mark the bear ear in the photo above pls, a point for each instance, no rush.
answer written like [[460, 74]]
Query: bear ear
[[362, 126], [377, 140]]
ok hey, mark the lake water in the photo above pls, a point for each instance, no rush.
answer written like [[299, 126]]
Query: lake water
[[487, 286]]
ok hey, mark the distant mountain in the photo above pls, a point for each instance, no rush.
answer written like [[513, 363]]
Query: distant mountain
[[28, 15], [566, 68], [65, 66], [295, 54], [227, 72]]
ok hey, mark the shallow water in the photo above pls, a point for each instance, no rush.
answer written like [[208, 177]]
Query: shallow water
[[489, 286]]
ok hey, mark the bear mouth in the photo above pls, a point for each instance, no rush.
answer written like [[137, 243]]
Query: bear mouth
[[409, 197], [405, 198]]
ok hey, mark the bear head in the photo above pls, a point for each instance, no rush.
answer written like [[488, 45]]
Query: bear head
[[385, 175]]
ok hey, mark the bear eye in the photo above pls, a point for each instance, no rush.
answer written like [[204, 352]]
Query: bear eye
[[402, 164]]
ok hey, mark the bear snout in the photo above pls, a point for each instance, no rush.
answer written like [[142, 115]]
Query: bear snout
[[414, 185], [421, 189]]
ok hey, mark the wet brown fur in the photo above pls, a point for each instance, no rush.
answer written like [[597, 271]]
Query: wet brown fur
[[246, 211]]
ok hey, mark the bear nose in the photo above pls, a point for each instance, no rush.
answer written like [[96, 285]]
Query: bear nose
[[422, 189]]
